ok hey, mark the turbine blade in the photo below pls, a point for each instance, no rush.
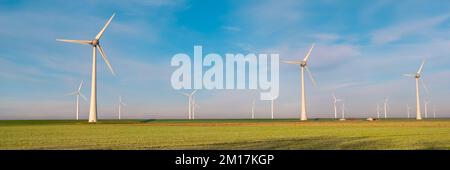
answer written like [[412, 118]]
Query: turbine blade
[[409, 75], [104, 28], [70, 94], [193, 92], [309, 53], [75, 41], [292, 62], [81, 84], [105, 59], [82, 96], [420, 68], [424, 87], [186, 94], [311, 76], [334, 97]]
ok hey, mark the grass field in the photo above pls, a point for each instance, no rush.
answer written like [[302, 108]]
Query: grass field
[[225, 134]]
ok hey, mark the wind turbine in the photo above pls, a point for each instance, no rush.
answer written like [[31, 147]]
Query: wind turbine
[[334, 105], [426, 108], [378, 110], [78, 94], [385, 107], [271, 108], [191, 97], [434, 112], [408, 110], [302, 64], [95, 43], [121, 103], [253, 109], [417, 77], [343, 111], [194, 106]]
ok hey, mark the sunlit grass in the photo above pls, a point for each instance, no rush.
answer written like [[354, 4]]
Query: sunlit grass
[[225, 134]]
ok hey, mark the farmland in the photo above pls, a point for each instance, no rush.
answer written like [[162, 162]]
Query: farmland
[[403, 134]]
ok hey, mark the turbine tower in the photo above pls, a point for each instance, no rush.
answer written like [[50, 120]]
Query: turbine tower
[[302, 64], [194, 106], [335, 100], [253, 109], [95, 43], [343, 111], [385, 107], [121, 103], [378, 110], [271, 108], [417, 77], [78, 94], [434, 112], [190, 97], [408, 110], [426, 108]]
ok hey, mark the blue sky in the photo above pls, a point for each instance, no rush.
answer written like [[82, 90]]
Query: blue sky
[[362, 48]]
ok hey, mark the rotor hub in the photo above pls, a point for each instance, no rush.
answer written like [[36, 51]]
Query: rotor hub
[[95, 42], [303, 64], [417, 76]]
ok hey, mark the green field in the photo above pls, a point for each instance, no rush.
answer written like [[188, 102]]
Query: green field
[[225, 134]]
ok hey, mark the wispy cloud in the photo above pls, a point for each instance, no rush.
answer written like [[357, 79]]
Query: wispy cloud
[[414, 27]]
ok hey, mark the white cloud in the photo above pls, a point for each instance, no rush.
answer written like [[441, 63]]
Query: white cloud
[[401, 30]]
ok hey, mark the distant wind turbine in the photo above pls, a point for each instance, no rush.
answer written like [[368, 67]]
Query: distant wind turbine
[[385, 107], [302, 64], [271, 107], [95, 43], [190, 98], [343, 110], [78, 94], [434, 112], [335, 100], [408, 110], [426, 108], [417, 77], [194, 106], [253, 109], [378, 110], [121, 103]]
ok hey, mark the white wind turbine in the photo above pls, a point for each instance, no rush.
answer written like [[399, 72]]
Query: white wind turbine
[[194, 106], [95, 43], [335, 100], [343, 110], [303, 66], [253, 109], [121, 103], [408, 110], [190, 97], [378, 110], [426, 108], [271, 107], [78, 94], [417, 77], [434, 112], [385, 107]]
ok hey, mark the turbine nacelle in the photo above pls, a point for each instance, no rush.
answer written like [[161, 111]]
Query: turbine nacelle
[[303, 63], [95, 42]]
